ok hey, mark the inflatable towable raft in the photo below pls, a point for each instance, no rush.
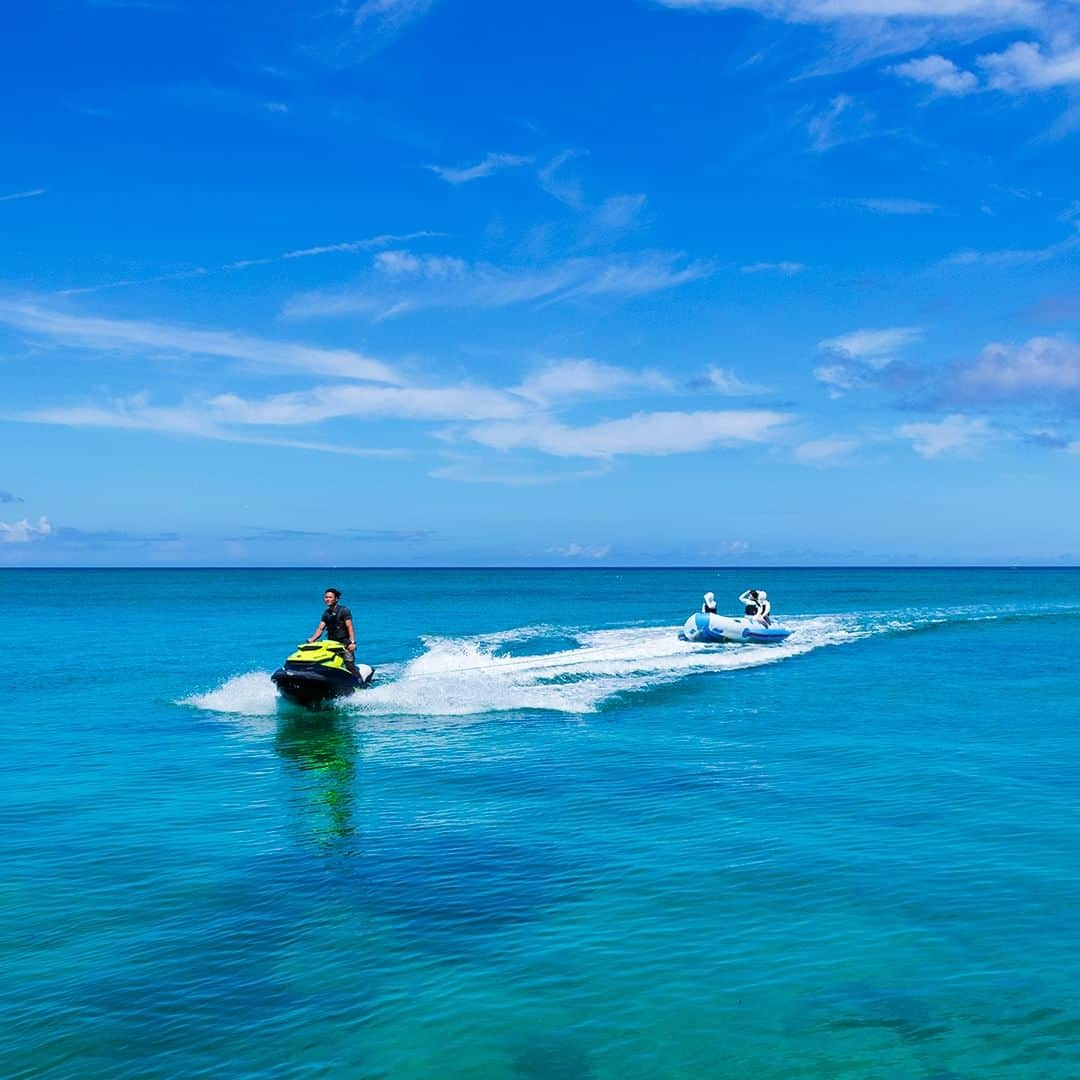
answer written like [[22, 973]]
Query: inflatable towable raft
[[716, 628], [319, 671]]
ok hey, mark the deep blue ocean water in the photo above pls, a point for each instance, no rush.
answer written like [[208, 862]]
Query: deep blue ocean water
[[552, 841]]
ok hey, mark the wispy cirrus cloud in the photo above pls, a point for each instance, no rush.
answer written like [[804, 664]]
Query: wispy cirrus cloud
[[901, 207], [32, 194], [193, 419], [390, 16], [555, 182], [785, 267], [1016, 256], [642, 434], [614, 218], [491, 163], [345, 247], [403, 281], [462, 468], [95, 332]]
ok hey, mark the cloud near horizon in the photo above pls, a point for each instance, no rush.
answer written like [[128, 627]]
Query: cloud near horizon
[[25, 531]]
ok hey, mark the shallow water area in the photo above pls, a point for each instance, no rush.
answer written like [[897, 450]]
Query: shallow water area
[[567, 845]]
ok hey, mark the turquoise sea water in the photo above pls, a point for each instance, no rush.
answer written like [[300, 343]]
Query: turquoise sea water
[[552, 841]]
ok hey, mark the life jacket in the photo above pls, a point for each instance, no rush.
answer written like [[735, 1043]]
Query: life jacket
[[334, 621]]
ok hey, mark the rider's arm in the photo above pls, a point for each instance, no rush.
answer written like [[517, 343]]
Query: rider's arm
[[352, 634], [318, 632], [746, 598]]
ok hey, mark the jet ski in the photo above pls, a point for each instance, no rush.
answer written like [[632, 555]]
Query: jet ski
[[746, 629], [319, 671]]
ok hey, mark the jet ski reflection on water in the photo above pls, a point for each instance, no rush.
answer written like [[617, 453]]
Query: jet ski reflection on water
[[319, 671]]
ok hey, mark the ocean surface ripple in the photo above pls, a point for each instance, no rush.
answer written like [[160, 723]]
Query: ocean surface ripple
[[552, 840]]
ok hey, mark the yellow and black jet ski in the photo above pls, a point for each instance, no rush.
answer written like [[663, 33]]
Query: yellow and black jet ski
[[319, 671]]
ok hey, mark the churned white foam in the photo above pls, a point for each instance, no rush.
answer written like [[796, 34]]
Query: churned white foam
[[464, 676], [252, 694]]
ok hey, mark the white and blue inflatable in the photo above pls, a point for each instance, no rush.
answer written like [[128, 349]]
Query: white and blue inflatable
[[716, 628]]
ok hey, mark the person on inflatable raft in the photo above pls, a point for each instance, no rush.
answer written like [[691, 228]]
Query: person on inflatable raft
[[756, 604]]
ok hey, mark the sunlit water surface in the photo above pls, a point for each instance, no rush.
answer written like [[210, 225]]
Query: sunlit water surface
[[552, 840]]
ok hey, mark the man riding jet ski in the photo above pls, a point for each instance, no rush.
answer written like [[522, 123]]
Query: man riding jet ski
[[320, 670]]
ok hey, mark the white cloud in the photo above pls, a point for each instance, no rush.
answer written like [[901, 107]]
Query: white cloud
[[824, 451], [727, 382], [896, 206], [24, 532], [658, 433], [572, 378], [734, 547], [582, 551], [954, 434], [404, 282], [467, 470], [613, 218], [1016, 256], [823, 126], [389, 16], [346, 247], [136, 413], [1024, 66], [491, 163], [871, 345], [941, 74], [105, 334], [787, 268], [854, 356], [841, 377], [403, 403], [832, 11], [1040, 366], [555, 183], [23, 195]]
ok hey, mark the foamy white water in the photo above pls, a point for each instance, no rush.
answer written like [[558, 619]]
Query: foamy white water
[[468, 675]]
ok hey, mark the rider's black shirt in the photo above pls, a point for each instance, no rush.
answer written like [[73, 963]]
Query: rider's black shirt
[[334, 621]]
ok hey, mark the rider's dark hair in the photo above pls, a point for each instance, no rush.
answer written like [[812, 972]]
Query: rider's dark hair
[[336, 592]]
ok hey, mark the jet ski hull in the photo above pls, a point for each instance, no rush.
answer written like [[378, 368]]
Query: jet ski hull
[[315, 686], [719, 628]]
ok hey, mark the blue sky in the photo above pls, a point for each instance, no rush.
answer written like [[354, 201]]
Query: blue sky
[[441, 282]]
